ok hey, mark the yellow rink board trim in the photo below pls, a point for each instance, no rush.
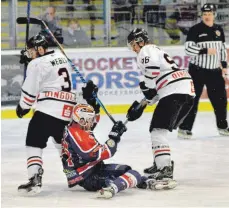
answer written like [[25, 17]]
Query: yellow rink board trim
[[112, 109]]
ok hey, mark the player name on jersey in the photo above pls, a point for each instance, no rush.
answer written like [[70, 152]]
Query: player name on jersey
[[59, 95], [58, 61]]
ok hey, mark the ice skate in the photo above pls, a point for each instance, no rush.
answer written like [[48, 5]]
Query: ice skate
[[154, 184], [223, 132], [106, 193], [154, 173], [184, 134], [33, 187], [160, 184]]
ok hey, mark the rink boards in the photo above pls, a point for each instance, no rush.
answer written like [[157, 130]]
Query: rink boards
[[114, 70], [10, 113]]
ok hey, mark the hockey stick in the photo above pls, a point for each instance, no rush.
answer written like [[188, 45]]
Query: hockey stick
[[23, 20], [27, 32]]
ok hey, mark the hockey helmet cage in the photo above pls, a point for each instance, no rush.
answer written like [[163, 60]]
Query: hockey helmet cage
[[40, 40], [83, 114], [137, 35]]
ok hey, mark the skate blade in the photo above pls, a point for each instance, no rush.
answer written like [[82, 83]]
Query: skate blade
[[33, 192], [170, 184], [103, 194], [223, 134], [181, 136]]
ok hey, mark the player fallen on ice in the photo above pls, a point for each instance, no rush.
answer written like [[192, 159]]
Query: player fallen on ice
[[166, 83], [83, 156]]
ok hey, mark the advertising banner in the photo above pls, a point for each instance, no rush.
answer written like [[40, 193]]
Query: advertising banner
[[114, 70], [11, 79]]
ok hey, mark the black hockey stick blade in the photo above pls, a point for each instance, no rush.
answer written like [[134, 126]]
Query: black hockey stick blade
[[24, 20]]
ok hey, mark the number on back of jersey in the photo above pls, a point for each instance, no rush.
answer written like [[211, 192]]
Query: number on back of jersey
[[145, 60]]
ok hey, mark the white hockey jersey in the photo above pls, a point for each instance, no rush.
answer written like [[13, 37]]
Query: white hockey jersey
[[49, 83], [161, 72]]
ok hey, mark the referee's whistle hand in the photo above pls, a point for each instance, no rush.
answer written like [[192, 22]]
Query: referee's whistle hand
[[212, 51]]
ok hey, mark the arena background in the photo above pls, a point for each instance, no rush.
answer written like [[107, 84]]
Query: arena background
[[108, 62]]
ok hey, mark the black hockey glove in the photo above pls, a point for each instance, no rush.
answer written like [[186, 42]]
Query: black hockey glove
[[87, 95], [20, 111], [148, 93], [135, 111], [94, 104], [24, 59], [89, 90], [117, 130]]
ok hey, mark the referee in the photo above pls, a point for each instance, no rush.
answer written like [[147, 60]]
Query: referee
[[206, 45]]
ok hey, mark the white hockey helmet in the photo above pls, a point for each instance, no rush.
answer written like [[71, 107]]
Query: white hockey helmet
[[84, 115]]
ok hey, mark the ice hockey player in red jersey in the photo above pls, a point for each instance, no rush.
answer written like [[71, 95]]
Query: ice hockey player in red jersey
[[83, 156], [174, 89], [48, 84]]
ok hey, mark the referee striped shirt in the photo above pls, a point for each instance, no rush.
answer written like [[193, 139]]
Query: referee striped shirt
[[201, 37]]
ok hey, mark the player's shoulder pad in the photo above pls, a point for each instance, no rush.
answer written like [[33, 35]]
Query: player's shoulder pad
[[85, 141], [33, 64], [148, 50]]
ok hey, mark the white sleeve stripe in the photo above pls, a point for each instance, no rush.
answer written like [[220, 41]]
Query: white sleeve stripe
[[224, 52], [99, 155], [189, 51], [192, 45], [194, 48]]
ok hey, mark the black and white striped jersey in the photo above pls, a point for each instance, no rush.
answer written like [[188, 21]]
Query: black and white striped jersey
[[201, 37], [161, 72]]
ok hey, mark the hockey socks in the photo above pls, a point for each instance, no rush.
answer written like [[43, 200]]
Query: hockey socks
[[34, 160], [160, 148], [129, 179]]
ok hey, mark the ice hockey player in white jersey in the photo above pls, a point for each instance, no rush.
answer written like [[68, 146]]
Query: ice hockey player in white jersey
[[48, 85], [173, 87]]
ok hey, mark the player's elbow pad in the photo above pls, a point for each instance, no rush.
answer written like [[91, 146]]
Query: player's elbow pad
[[112, 145]]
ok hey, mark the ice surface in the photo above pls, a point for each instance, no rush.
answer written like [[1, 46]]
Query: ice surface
[[201, 168]]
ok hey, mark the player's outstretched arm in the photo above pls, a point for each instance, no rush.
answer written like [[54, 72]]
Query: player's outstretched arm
[[115, 136]]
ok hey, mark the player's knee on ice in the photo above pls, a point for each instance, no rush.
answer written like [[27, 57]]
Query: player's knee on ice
[[102, 175]]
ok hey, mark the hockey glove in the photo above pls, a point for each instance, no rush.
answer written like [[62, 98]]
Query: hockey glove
[[135, 111], [94, 104], [89, 90], [148, 93], [20, 111], [117, 130], [24, 58], [87, 95]]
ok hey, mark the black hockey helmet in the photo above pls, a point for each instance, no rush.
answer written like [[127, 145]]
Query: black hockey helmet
[[40, 40], [137, 35], [208, 8], [30, 43]]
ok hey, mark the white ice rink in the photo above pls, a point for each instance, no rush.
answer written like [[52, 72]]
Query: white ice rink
[[201, 168]]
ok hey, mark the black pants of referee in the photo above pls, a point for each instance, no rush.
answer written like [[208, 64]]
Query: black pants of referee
[[215, 85]]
